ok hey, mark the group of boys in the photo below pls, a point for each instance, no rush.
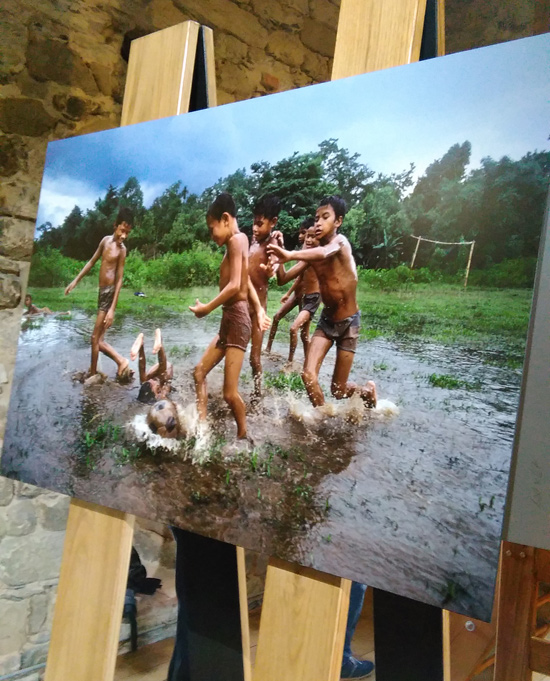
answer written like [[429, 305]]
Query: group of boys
[[324, 272]]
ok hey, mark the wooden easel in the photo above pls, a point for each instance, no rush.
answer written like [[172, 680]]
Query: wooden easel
[[304, 614]]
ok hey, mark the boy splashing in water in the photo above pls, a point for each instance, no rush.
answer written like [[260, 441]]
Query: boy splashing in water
[[294, 295], [112, 252], [266, 214], [236, 325], [155, 383], [335, 268]]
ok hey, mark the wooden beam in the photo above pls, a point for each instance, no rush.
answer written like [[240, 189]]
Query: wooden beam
[[377, 34], [92, 584], [303, 624], [539, 657]]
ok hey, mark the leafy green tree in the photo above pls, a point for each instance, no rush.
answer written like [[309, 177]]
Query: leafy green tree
[[343, 172]]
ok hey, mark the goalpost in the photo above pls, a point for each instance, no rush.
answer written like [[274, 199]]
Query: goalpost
[[471, 244]]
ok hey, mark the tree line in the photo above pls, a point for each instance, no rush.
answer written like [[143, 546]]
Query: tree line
[[500, 204]]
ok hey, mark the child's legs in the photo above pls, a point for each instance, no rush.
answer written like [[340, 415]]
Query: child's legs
[[108, 350], [340, 386], [281, 312], [143, 375], [304, 333], [97, 336], [256, 355], [212, 356], [233, 364], [317, 352], [302, 318]]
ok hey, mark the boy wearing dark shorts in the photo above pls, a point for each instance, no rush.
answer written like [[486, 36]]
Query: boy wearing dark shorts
[[236, 325], [112, 252], [334, 265]]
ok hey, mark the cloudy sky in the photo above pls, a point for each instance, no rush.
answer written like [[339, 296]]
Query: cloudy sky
[[497, 97]]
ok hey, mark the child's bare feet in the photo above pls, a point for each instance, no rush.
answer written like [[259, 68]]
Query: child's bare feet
[[138, 343], [368, 394], [124, 373], [158, 341], [95, 379]]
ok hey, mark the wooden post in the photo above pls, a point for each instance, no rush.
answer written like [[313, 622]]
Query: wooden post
[[94, 571], [304, 615], [418, 240], [469, 263]]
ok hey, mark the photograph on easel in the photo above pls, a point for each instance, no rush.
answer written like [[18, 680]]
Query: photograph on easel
[[311, 320]]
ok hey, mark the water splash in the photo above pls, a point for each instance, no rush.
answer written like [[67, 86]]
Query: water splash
[[352, 410], [138, 426], [386, 408]]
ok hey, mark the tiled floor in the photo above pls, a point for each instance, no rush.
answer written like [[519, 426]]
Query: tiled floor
[[150, 663]]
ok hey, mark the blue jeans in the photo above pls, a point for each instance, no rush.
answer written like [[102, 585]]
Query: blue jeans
[[356, 598]]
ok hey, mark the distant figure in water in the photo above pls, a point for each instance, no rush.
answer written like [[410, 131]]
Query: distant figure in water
[[236, 290], [310, 297], [112, 252], [293, 296], [335, 268], [32, 309]]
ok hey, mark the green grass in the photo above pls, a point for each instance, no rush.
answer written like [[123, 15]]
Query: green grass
[[451, 382], [284, 382], [445, 313]]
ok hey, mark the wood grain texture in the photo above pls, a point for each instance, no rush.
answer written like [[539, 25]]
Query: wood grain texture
[[160, 74], [377, 34], [468, 647], [440, 28], [245, 624], [92, 584], [539, 657], [303, 624], [516, 596], [208, 40]]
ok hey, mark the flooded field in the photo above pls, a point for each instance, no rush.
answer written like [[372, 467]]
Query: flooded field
[[409, 500]]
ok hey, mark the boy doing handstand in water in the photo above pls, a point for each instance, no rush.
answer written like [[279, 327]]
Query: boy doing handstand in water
[[236, 325], [293, 296], [310, 297], [155, 387], [112, 252], [266, 214], [335, 267]]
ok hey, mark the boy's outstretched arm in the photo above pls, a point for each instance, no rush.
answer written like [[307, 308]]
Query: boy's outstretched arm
[[295, 285], [87, 267], [235, 249], [307, 255], [263, 321], [293, 273], [109, 317]]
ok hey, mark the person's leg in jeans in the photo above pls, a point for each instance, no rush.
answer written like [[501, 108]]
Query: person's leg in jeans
[[179, 664], [351, 667]]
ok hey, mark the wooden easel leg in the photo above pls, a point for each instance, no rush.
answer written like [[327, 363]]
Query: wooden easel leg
[[303, 624], [516, 602], [92, 584]]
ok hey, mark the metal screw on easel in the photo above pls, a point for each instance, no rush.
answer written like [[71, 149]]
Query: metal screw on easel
[[522, 554], [508, 553], [469, 625]]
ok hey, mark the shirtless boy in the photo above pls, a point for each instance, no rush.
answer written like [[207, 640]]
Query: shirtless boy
[[293, 296], [32, 309], [236, 325], [310, 297], [266, 214], [155, 383], [334, 265], [112, 252]]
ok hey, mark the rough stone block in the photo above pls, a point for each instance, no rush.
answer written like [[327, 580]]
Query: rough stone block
[[12, 624], [23, 489], [16, 238], [236, 78], [8, 266], [103, 77], [38, 613], [20, 518], [6, 491], [269, 82], [25, 116], [326, 12], [288, 15], [9, 663], [316, 66], [318, 37], [229, 48], [37, 558], [34, 654], [226, 16], [13, 155], [286, 47], [10, 292], [49, 59], [52, 511]]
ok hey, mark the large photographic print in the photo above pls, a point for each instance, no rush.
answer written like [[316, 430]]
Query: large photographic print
[[388, 225]]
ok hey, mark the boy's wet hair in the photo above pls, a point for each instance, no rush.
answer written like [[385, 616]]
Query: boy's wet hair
[[126, 215], [306, 224], [338, 205], [146, 394], [269, 206], [223, 203], [28, 295]]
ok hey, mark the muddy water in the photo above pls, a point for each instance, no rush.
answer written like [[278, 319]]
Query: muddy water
[[409, 502]]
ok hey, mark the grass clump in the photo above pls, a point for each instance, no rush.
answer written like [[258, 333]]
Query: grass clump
[[291, 382], [451, 382]]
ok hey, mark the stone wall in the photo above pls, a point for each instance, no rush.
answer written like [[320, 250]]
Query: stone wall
[[62, 72]]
